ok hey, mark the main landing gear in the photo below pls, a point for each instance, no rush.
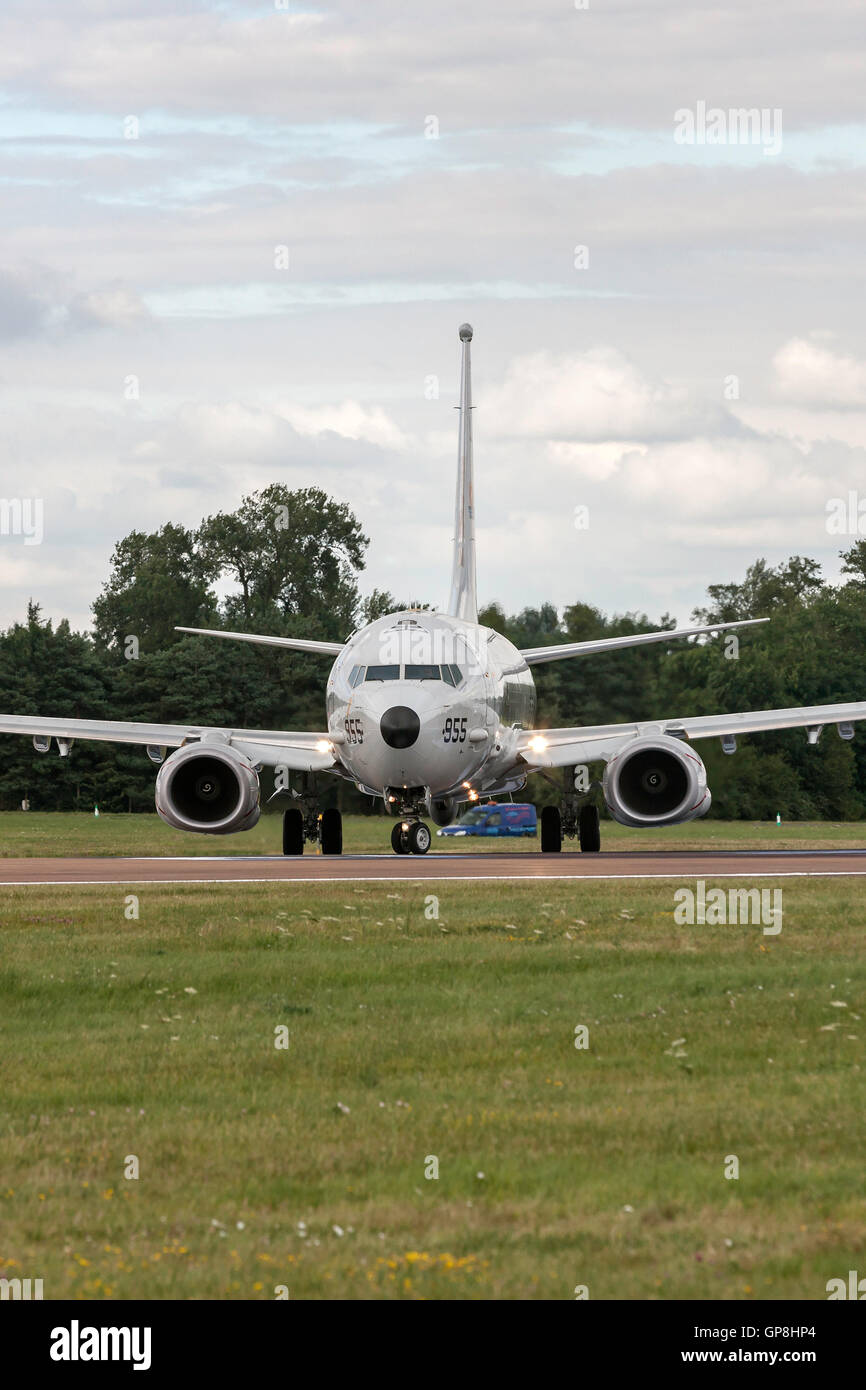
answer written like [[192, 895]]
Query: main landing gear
[[571, 818], [293, 831], [410, 837], [328, 831], [304, 824]]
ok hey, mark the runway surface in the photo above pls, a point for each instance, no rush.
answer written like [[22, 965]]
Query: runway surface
[[390, 868]]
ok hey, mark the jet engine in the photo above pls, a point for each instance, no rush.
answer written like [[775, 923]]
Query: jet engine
[[209, 787], [656, 780]]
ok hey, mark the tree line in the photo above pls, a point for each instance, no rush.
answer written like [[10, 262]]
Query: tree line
[[288, 562]]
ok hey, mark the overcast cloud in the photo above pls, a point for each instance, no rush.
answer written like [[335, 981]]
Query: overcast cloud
[[670, 335]]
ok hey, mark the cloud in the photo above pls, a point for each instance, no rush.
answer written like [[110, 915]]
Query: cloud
[[596, 395], [25, 307], [284, 429], [808, 374], [116, 306], [349, 419], [38, 299], [726, 483], [601, 386], [385, 59]]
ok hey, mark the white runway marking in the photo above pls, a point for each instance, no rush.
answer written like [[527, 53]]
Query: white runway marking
[[424, 878]]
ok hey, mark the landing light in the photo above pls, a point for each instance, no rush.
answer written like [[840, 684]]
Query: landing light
[[473, 796], [323, 746], [538, 744]]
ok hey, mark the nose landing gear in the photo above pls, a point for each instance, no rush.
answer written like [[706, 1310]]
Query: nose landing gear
[[410, 837]]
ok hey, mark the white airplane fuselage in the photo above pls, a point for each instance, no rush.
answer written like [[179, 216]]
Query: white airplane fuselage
[[425, 706]]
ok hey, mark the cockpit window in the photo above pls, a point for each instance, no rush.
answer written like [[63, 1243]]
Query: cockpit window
[[422, 673], [383, 673]]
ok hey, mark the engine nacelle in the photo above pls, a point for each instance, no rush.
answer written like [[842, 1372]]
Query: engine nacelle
[[656, 780], [208, 787], [442, 812]]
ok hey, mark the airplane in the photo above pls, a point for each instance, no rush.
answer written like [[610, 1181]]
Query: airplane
[[428, 711]]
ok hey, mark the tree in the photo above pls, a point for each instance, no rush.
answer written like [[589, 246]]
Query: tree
[[762, 590], [48, 671], [493, 616], [380, 603], [293, 555], [157, 582], [854, 561]]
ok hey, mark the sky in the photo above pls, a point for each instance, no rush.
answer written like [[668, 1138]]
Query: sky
[[237, 241]]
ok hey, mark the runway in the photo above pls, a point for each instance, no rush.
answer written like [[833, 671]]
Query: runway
[[392, 868]]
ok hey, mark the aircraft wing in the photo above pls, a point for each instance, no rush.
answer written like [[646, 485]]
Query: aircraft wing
[[298, 644], [300, 752], [564, 747], [535, 656]]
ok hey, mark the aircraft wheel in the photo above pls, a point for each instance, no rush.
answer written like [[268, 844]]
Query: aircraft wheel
[[332, 832], [551, 830], [419, 838], [398, 839], [293, 831], [589, 829]]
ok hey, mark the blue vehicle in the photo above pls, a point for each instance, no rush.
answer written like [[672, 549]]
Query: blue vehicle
[[496, 818]]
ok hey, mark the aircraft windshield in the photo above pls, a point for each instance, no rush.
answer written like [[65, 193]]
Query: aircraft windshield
[[419, 671], [422, 673], [383, 673]]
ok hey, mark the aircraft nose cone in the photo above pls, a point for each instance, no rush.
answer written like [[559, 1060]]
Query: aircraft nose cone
[[400, 726]]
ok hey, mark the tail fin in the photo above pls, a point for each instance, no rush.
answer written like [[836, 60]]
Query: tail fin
[[463, 600]]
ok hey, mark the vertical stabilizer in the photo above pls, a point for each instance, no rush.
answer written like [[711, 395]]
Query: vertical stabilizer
[[463, 601]]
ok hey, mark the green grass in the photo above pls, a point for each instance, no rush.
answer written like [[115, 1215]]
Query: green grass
[[451, 1037], [46, 834]]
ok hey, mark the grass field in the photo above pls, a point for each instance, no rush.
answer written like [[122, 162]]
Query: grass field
[[38, 834], [410, 1037]]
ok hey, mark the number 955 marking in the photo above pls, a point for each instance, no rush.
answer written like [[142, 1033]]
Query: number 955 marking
[[454, 731]]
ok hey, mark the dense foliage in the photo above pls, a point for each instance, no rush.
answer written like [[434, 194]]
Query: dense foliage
[[287, 562]]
